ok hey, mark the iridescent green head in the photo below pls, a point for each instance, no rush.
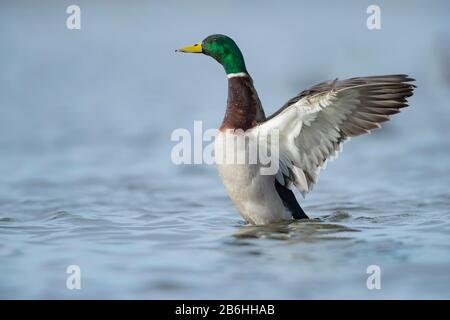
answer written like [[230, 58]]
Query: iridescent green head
[[221, 48]]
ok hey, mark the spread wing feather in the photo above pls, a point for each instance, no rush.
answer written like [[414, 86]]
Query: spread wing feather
[[314, 124]]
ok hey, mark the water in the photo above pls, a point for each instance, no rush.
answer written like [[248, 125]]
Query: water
[[87, 180]]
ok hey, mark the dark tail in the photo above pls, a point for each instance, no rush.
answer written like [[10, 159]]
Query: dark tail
[[289, 201]]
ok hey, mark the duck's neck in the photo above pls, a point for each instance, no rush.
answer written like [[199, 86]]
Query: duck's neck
[[244, 110]]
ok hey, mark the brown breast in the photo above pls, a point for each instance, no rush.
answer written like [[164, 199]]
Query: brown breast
[[244, 110]]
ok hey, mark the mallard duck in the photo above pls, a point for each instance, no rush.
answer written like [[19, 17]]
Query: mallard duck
[[312, 127]]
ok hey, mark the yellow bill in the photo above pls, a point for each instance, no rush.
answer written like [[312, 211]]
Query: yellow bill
[[196, 48]]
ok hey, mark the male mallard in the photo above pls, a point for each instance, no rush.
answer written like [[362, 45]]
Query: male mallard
[[312, 127]]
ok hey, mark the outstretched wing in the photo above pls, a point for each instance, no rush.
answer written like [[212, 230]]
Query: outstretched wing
[[314, 124]]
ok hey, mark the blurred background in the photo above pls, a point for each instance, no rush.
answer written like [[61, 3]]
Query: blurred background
[[86, 176]]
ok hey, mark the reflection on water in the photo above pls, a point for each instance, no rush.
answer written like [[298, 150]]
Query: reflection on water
[[315, 229], [86, 176]]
